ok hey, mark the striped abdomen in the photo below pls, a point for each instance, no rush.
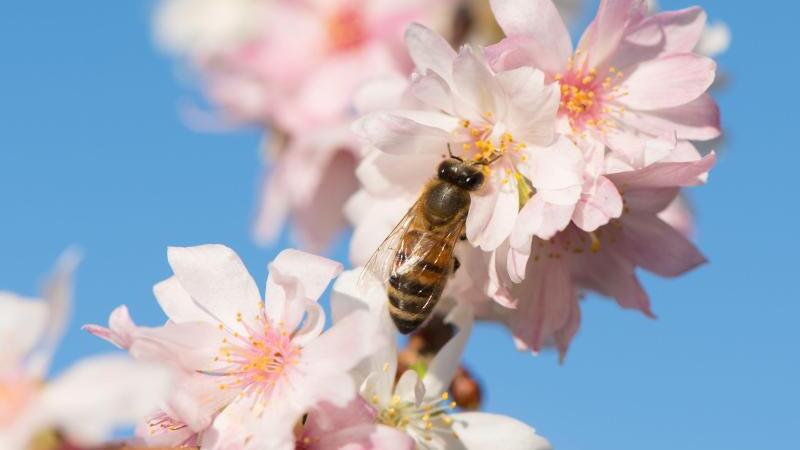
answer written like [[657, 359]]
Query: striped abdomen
[[418, 278]]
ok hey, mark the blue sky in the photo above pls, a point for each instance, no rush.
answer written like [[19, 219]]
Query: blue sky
[[93, 152]]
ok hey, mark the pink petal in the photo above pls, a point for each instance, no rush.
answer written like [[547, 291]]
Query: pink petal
[[613, 275], [682, 28], [650, 200], [538, 20], [697, 120], [659, 248], [667, 82], [598, 208], [217, 280], [120, 328], [522, 51], [562, 338], [476, 87], [546, 303], [326, 418], [668, 174], [606, 31]]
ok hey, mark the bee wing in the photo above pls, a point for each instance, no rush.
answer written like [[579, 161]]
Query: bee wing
[[379, 266], [431, 253]]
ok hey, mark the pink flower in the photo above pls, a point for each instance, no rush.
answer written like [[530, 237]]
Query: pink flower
[[506, 117], [633, 83], [311, 56], [248, 365], [604, 261], [88, 400]]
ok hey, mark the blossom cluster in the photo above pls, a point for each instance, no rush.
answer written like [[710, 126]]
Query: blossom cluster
[[584, 149], [590, 143]]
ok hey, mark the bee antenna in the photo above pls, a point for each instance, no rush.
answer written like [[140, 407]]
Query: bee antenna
[[450, 152], [485, 162]]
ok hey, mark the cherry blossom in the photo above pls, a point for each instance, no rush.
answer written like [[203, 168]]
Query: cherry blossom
[[556, 271], [247, 364], [633, 82], [505, 119], [420, 405], [88, 400]]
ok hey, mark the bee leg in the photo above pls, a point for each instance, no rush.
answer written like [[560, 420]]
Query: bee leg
[[463, 237], [456, 264]]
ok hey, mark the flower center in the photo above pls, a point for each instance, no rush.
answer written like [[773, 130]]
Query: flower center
[[346, 30], [423, 421], [257, 362], [588, 97]]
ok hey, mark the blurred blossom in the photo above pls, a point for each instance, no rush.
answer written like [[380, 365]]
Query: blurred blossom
[[250, 369], [679, 216], [291, 67], [83, 405], [418, 403], [204, 29], [715, 40], [569, 133], [716, 37]]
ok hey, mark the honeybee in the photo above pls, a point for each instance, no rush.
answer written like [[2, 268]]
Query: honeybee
[[416, 259]]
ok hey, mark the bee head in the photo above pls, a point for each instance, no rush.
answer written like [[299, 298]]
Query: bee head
[[464, 175]]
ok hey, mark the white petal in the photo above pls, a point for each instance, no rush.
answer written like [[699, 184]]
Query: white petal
[[537, 19], [352, 293], [397, 133], [477, 90], [22, 324], [296, 278], [218, 281], [429, 51], [177, 304], [410, 388], [443, 366], [480, 431]]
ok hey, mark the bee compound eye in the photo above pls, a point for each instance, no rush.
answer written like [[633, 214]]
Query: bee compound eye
[[474, 181]]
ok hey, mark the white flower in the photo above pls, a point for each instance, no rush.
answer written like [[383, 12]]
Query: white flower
[[420, 406]]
